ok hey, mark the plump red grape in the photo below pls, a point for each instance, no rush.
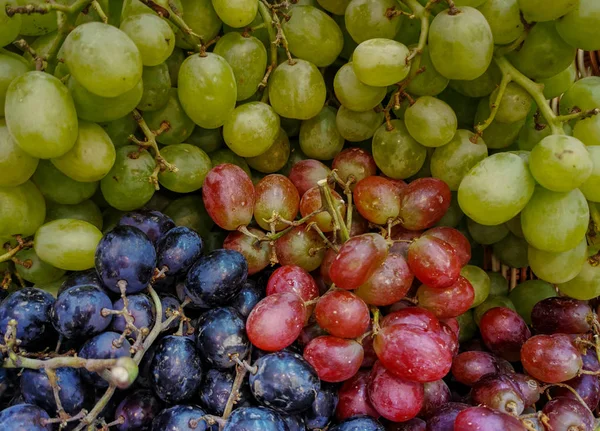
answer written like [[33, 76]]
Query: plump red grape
[[450, 338], [551, 358], [390, 282], [469, 367], [370, 356], [305, 174], [424, 203], [457, 240], [529, 389], [311, 201], [402, 239], [433, 261], [353, 398], [453, 324], [257, 253], [302, 247], [561, 315], [275, 194], [356, 162], [334, 359], [566, 414], [484, 418], [394, 398], [377, 200], [436, 395], [449, 301], [342, 314], [228, 195], [357, 260], [498, 392], [586, 386], [292, 278], [330, 255], [399, 184], [504, 332], [276, 321], [415, 316]]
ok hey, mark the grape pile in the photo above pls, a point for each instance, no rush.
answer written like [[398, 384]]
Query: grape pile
[[256, 215]]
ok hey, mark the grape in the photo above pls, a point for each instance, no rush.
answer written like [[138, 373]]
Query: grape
[[499, 393], [127, 185], [482, 86], [293, 279], [342, 314], [487, 204], [356, 162], [529, 293], [558, 267], [138, 409], [357, 126], [11, 66], [357, 260], [376, 200], [192, 163], [486, 418], [258, 255], [87, 211], [38, 24], [423, 203], [561, 315], [319, 136], [24, 416], [208, 140], [504, 18], [275, 194], [497, 135], [431, 122], [555, 221], [504, 332], [237, 14], [539, 11], [189, 211], [334, 359], [590, 187], [11, 26], [551, 358], [207, 89], [487, 235], [215, 390], [153, 223], [587, 131], [543, 43], [336, 7], [174, 63], [456, 239], [225, 155], [352, 93], [577, 27], [173, 113], [353, 398], [152, 35], [514, 105], [311, 202], [433, 261], [39, 271], [156, 83], [36, 389], [534, 130], [445, 302], [397, 153], [302, 247], [380, 62], [583, 94], [564, 413], [498, 284], [140, 306], [480, 282], [200, 15], [585, 285], [120, 130], [59, 188], [429, 82], [366, 19], [560, 83], [389, 283], [253, 418], [16, 165], [512, 251], [228, 195], [443, 419], [22, 209], [470, 367]]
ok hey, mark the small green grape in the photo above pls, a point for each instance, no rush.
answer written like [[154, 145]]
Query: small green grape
[[35, 270], [366, 19], [431, 121], [189, 211], [584, 95], [260, 33], [291, 126], [453, 216], [534, 130], [38, 24], [192, 166], [225, 155], [498, 284], [180, 125], [236, 13], [120, 130], [467, 326], [492, 302], [512, 251], [487, 235], [352, 93], [396, 153], [208, 140], [514, 105], [504, 18], [591, 187], [157, 85], [541, 11], [15, 164], [588, 130], [200, 15], [349, 43], [464, 107], [152, 35], [529, 293], [497, 135], [429, 82], [336, 7], [480, 282], [87, 211], [22, 209], [274, 158], [481, 86], [358, 126], [380, 62], [514, 225], [560, 83], [586, 285], [174, 63], [11, 66], [579, 28], [251, 129], [558, 267], [10, 27], [58, 187]]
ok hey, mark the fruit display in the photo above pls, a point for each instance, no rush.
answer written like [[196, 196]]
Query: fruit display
[[264, 215]]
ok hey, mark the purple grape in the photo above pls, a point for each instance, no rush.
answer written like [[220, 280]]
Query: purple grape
[[249, 296], [140, 307], [436, 395], [254, 419], [102, 346], [215, 391], [36, 389], [323, 408], [359, 424], [137, 411], [561, 315], [153, 223], [498, 392], [181, 418], [566, 414], [443, 419], [77, 313], [23, 417]]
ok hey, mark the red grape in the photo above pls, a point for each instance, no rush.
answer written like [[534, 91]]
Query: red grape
[[275, 194], [257, 253], [292, 278], [436, 395], [342, 314], [399, 184], [334, 359], [586, 386], [551, 358], [228, 195], [415, 316], [370, 355], [424, 203], [483, 418], [376, 200], [302, 247], [359, 224], [453, 324], [305, 174], [457, 240], [433, 261], [498, 392], [356, 162], [353, 398], [330, 255], [561, 315], [390, 282], [450, 338], [529, 389], [449, 301], [503, 331], [311, 201], [566, 414], [443, 419], [469, 367]]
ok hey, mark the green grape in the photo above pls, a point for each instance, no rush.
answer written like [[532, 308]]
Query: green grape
[[313, 36], [120, 130], [251, 129], [467, 326], [127, 186], [274, 158], [431, 121], [560, 83], [247, 57], [366, 19], [514, 225], [92, 46], [291, 126], [396, 153], [92, 156], [15, 164], [110, 218], [260, 33], [554, 221], [425, 170], [297, 90], [158, 202], [225, 155], [208, 140], [543, 54], [584, 94], [358, 126], [319, 136], [504, 18], [236, 13], [534, 130], [487, 235], [464, 107], [353, 94], [579, 28], [137, 7], [10, 27], [480, 282], [558, 267], [453, 161], [87, 211], [11, 66], [541, 10], [380, 62], [35, 270], [525, 295], [481, 86], [40, 115], [192, 166], [156, 84], [484, 201], [560, 163], [152, 35], [461, 45], [174, 63], [349, 43], [58, 187], [429, 82], [207, 89], [38, 24], [91, 107], [585, 285], [453, 216], [497, 135], [588, 131], [591, 187], [512, 251], [498, 284], [336, 7], [492, 302], [68, 244], [514, 106], [296, 155], [189, 211], [410, 29], [180, 125], [22, 209], [200, 15], [54, 287]]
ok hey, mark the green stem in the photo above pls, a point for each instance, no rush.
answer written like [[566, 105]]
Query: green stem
[[93, 365], [99, 11], [268, 22], [329, 204], [578, 115], [423, 14], [10, 254], [506, 78]]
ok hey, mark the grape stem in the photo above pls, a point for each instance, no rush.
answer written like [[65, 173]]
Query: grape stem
[[9, 255], [580, 115], [99, 11], [313, 226], [24, 46], [480, 128], [334, 211], [234, 395]]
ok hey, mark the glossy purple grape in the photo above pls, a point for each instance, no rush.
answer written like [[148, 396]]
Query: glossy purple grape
[[153, 223], [89, 277], [498, 392], [323, 408], [137, 411], [294, 422], [215, 391], [140, 307], [169, 305], [102, 346], [561, 315], [566, 414], [77, 312], [21, 417], [177, 250], [181, 418], [36, 389], [249, 296], [437, 394], [443, 419], [255, 419], [360, 423]]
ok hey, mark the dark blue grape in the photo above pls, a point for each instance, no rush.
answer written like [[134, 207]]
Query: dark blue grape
[[215, 391], [144, 378], [153, 223], [138, 409], [178, 250], [30, 307], [216, 278], [285, 382], [36, 389], [125, 253], [140, 307], [294, 422], [255, 419], [102, 346], [221, 334], [323, 408], [24, 417], [176, 370], [169, 304], [89, 277], [77, 313], [249, 296], [360, 423], [181, 418]]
